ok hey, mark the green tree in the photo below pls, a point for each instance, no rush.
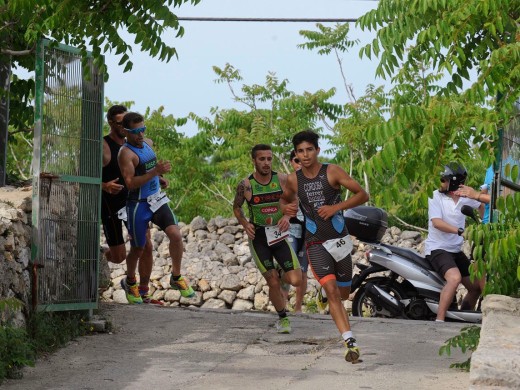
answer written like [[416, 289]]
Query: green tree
[[273, 115], [453, 123], [97, 26]]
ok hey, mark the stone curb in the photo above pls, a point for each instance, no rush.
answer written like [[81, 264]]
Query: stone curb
[[496, 362]]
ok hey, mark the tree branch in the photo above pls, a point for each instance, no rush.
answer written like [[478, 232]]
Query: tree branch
[[408, 225], [27, 130], [24, 177], [17, 53], [217, 193]]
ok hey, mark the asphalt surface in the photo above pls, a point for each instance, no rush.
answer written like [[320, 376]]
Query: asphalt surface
[[154, 347]]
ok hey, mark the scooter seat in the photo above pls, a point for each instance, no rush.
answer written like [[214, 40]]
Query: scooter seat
[[411, 255]]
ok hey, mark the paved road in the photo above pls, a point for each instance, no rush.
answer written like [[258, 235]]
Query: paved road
[[180, 348]]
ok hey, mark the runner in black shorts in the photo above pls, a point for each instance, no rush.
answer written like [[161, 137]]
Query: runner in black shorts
[[113, 202], [267, 228], [318, 188]]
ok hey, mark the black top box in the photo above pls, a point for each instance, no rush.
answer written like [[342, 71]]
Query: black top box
[[366, 223]]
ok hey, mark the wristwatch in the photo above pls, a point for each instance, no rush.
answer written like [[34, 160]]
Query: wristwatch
[[460, 231]]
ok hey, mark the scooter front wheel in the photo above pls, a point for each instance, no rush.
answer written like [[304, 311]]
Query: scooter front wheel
[[364, 306]]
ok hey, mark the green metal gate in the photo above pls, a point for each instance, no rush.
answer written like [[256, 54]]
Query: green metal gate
[[66, 179]]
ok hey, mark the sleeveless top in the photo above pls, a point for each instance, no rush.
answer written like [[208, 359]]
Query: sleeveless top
[[112, 203], [264, 207], [314, 193], [147, 161]]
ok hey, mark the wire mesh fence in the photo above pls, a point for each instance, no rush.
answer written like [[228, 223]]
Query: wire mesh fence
[[67, 179]]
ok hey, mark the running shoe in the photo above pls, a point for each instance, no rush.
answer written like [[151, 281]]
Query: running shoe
[[352, 350], [283, 325], [183, 286], [321, 299], [147, 298], [132, 292]]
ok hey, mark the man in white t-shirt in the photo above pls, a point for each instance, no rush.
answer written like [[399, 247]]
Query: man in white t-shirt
[[443, 247]]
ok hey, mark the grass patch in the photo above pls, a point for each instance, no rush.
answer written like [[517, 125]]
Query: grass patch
[[44, 333]]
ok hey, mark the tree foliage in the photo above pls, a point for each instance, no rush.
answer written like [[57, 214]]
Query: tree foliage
[[450, 122], [208, 166], [456, 36], [90, 25]]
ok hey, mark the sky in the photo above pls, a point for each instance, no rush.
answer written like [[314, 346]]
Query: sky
[[187, 84]]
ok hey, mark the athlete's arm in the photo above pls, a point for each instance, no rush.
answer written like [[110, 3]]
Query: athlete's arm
[[128, 160], [289, 201], [338, 177], [112, 187], [107, 154], [243, 188]]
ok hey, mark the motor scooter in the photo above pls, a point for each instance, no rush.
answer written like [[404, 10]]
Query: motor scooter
[[397, 282]]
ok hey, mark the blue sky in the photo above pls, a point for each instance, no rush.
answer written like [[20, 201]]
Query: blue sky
[[187, 84]]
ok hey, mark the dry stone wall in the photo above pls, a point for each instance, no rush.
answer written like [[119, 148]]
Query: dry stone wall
[[15, 248], [218, 263]]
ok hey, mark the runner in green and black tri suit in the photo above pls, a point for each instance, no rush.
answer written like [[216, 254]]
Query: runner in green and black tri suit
[[267, 228]]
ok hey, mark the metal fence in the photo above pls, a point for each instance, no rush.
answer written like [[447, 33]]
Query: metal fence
[[67, 179]]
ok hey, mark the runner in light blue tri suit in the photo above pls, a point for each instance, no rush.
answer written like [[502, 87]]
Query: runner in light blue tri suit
[[146, 203], [137, 206]]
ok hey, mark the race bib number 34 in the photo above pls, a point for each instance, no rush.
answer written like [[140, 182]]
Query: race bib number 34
[[339, 248], [274, 235]]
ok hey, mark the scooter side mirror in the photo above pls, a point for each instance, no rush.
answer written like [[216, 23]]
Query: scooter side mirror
[[469, 212]]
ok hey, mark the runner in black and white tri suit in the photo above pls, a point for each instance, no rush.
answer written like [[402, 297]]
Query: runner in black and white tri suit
[[318, 187]]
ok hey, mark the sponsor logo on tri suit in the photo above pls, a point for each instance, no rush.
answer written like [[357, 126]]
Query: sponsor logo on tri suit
[[269, 210], [150, 164], [266, 198]]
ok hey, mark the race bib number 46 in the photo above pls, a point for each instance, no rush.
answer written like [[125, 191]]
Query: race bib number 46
[[157, 200], [274, 235], [339, 248]]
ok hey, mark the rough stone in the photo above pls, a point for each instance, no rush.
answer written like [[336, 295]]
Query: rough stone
[[213, 303], [198, 223]]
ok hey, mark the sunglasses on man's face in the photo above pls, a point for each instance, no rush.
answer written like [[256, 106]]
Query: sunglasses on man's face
[[137, 130], [444, 180], [296, 160]]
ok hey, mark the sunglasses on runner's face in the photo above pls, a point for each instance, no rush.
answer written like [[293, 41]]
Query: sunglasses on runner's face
[[118, 123], [296, 160], [137, 130], [443, 180]]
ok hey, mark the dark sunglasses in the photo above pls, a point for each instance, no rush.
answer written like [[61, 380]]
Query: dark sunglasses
[[443, 180], [137, 130], [296, 160], [118, 123]]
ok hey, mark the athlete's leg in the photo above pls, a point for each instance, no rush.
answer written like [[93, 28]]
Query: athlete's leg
[[336, 308], [275, 289], [301, 290], [174, 235], [300, 293], [323, 267], [113, 229], [146, 262], [116, 254], [286, 258]]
